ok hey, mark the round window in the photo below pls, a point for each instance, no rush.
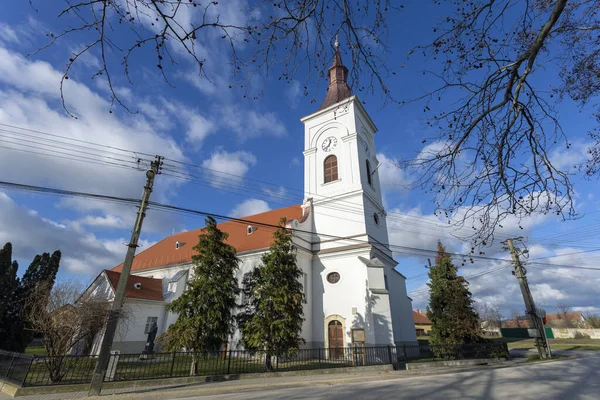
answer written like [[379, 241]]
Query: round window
[[333, 277], [376, 218]]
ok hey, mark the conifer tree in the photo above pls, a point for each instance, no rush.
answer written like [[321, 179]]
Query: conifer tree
[[37, 280], [451, 309], [9, 284], [206, 308], [272, 318]]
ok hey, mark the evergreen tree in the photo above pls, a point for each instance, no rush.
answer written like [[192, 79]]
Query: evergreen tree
[[37, 280], [9, 284], [451, 310], [272, 318], [206, 308]]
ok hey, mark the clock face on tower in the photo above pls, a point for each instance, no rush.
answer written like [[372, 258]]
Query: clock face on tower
[[329, 143]]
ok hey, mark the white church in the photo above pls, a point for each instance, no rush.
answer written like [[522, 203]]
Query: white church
[[353, 291]]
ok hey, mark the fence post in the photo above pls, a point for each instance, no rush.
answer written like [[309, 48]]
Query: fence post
[[319, 356], [173, 363], [28, 369], [390, 354], [404, 355], [228, 362]]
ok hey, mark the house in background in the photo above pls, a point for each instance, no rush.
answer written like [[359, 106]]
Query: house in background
[[349, 275], [569, 320], [143, 308], [422, 323]]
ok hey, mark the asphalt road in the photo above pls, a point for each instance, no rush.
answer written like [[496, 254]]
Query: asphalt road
[[564, 379]]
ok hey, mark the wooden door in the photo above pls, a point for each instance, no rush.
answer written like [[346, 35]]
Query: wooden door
[[336, 339]]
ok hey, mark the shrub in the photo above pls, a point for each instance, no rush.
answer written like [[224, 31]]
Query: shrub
[[581, 335]]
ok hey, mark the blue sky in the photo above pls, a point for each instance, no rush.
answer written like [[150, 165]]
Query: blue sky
[[207, 124]]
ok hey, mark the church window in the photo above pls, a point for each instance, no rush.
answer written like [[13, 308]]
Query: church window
[[331, 169], [333, 277], [246, 287], [376, 218], [369, 179], [305, 287]]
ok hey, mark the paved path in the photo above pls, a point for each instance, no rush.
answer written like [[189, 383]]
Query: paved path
[[565, 379]]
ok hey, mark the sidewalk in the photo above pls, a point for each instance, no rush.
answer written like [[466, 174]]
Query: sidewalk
[[215, 388]]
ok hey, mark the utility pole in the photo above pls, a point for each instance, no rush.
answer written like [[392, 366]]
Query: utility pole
[[541, 341], [113, 316]]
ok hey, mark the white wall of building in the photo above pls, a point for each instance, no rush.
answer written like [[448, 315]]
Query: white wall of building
[[401, 307]]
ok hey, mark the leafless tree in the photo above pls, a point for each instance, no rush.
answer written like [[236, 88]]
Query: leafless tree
[[494, 114], [519, 319], [566, 318], [490, 315], [592, 321], [256, 35], [64, 319]]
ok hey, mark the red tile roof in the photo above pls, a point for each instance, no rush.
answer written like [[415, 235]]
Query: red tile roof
[[421, 318], [165, 252], [150, 289], [512, 323], [525, 323], [574, 316]]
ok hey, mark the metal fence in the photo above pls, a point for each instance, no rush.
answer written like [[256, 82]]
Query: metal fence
[[14, 366], [44, 371], [429, 352]]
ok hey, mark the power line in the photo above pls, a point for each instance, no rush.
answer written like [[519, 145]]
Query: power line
[[77, 140]]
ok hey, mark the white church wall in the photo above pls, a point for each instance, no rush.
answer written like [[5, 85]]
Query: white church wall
[[401, 308], [349, 298]]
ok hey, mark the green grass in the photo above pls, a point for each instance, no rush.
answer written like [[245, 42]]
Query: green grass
[[37, 350], [559, 344]]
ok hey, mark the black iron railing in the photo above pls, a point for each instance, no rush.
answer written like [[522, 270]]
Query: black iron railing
[[44, 371], [14, 366]]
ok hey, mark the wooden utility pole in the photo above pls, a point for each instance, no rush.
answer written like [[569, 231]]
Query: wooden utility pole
[[541, 342], [113, 316]]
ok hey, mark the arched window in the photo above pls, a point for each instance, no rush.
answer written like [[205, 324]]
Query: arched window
[[331, 169], [369, 173]]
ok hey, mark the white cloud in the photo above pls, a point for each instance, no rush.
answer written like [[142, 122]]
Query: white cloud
[[391, 176], [30, 98], [198, 128], [249, 207], [30, 234], [228, 167], [276, 193], [293, 93], [252, 124], [8, 34], [108, 221]]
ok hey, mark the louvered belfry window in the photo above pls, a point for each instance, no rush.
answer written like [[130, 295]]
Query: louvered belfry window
[[331, 169]]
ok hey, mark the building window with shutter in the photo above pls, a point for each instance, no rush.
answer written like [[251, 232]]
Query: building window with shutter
[[150, 323], [331, 169], [369, 180]]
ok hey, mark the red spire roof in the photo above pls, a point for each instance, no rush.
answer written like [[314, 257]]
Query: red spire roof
[[338, 89]]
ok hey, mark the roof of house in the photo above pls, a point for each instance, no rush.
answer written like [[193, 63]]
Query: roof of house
[[421, 318], [524, 321], [512, 323], [166, 252], [149, 289], [574, 316]]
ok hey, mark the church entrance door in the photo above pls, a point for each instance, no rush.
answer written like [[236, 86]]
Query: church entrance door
[[336, 339]]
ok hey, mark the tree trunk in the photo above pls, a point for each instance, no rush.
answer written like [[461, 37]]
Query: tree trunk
[[194, 366]]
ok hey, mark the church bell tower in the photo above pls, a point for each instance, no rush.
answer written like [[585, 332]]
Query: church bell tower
[[340, 164]]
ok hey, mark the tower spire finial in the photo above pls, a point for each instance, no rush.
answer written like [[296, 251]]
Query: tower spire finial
[[337, 42]]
